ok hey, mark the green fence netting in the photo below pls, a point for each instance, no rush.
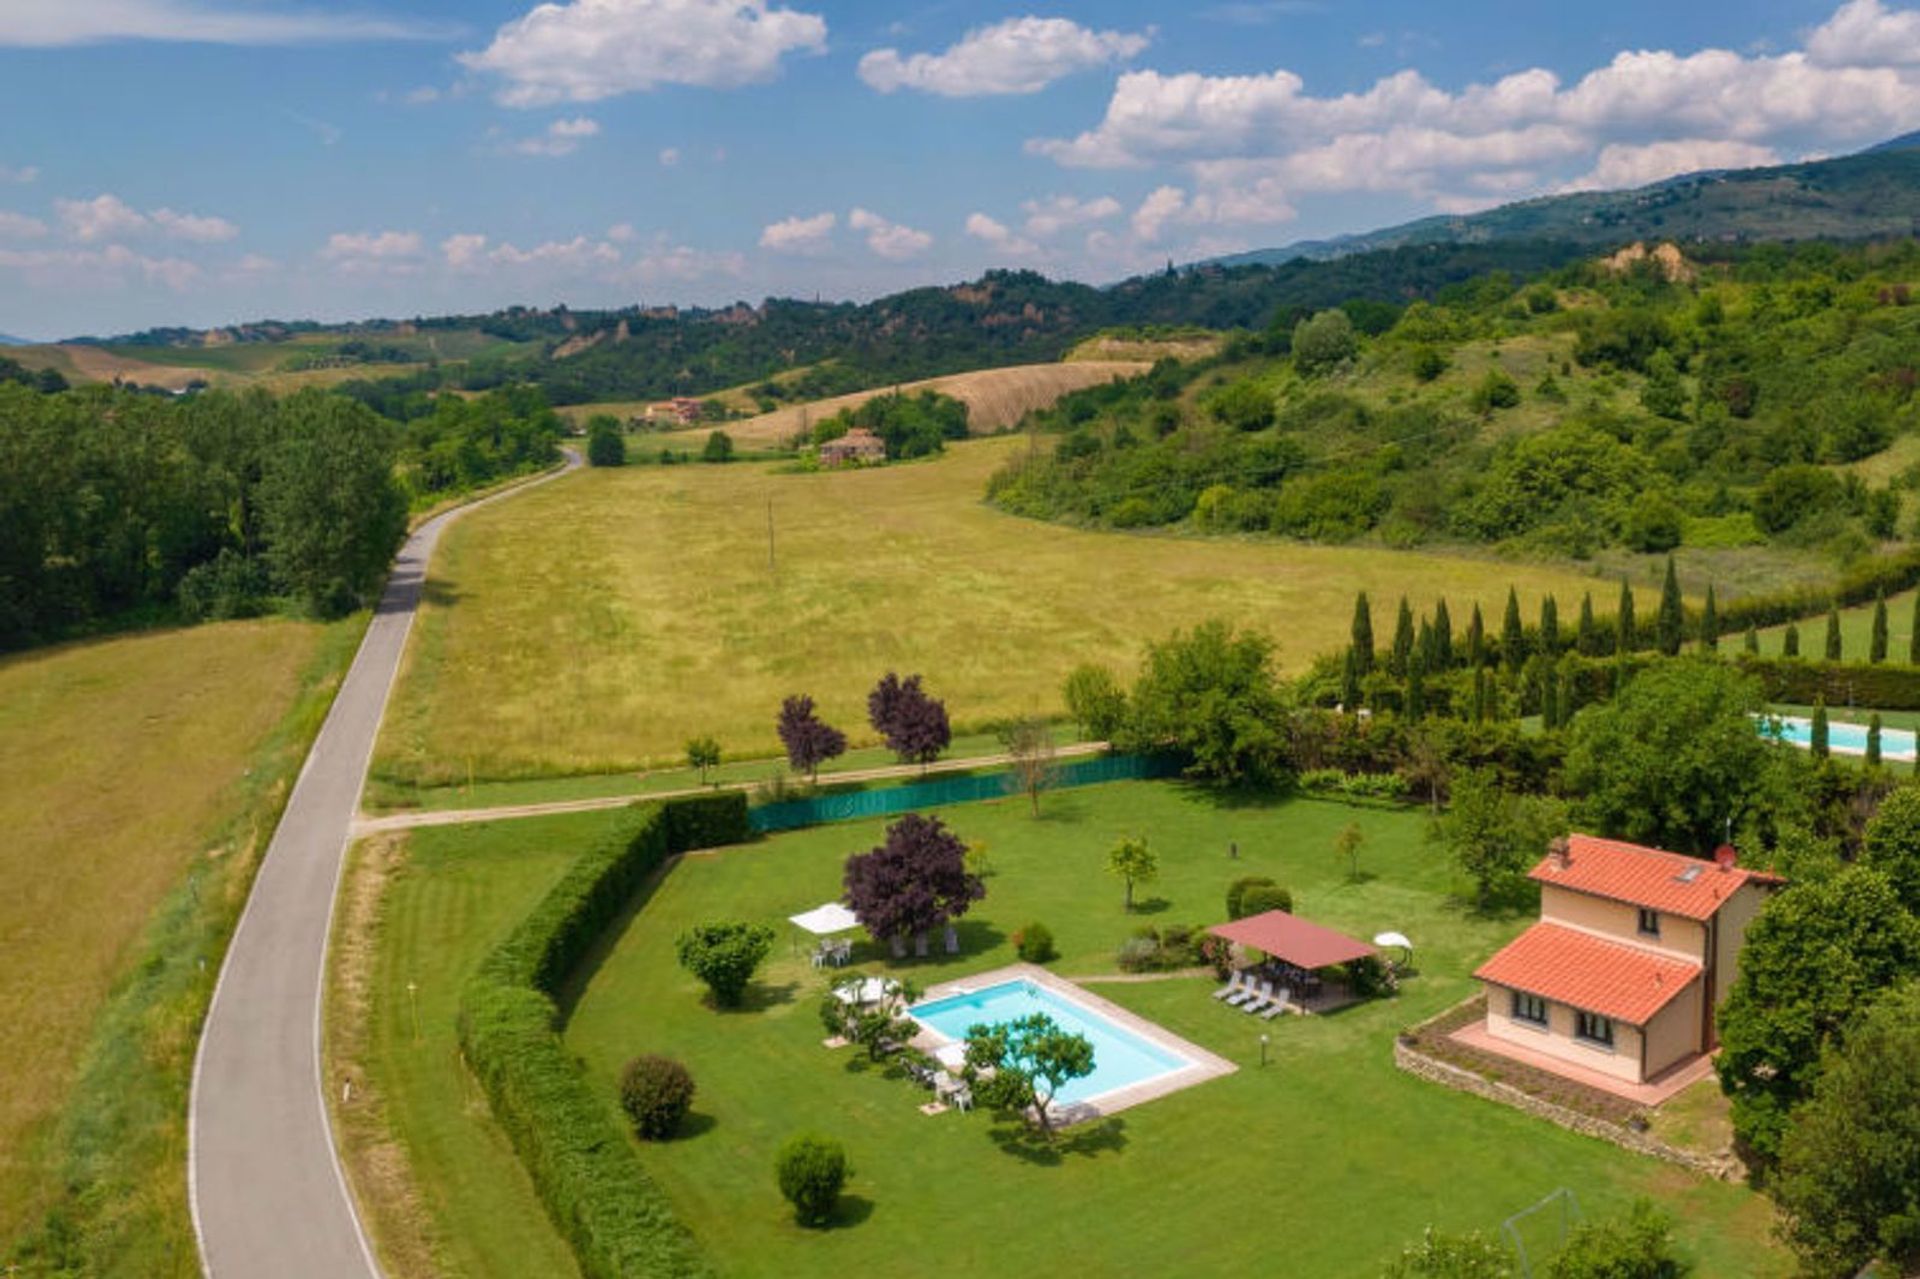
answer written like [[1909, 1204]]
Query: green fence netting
[[791, 814]]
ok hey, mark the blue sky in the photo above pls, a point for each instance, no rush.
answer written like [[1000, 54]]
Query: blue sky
[[207, 161]]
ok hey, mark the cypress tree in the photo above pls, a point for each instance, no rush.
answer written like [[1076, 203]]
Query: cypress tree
[[1402, 650], [1569, 697], [1817, 738], [1913, 644], [1587, 638], [1426, 647], [1626, 634], [1833, 633], [1873, 741], [1350, 682], [1790, 645], [1513, 637], [1877, 646], [1443, 635], [1479, 694], [1710, 624], [1753, 639], [1417, 688], [1549, 698], [1549, 627], [1669, 624], [1476, 639], [1362, 644]]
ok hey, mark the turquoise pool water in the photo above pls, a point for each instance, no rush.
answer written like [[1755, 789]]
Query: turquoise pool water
[[1847, 739], [1120, 1057]]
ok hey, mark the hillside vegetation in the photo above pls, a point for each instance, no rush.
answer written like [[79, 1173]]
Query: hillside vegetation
[[1735, 404]]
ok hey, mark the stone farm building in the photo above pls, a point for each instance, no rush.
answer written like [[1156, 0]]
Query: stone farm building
[[1634, 950], [858, 445], [680, 409]]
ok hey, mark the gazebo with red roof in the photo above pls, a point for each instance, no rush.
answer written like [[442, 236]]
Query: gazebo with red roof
[[1296, 942]]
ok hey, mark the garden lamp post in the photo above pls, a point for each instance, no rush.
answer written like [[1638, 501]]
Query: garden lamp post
[[1263, 1049]]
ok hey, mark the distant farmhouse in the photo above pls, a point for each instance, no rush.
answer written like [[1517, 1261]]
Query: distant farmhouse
[[680, 411], [858, 446], [1634, 950]]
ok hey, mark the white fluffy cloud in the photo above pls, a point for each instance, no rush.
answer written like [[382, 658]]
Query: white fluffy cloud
[[1000, 236], [1057, 213], [798, 234], [1252, 143], [101, 218], [562, 137], [464, 252], [113, 266], [669, 156], [665, 262], [1621, 165], [54, 23], [890, 240], [18, 226], [586, 50], [1020, 55], [193, 226], [374, 252]]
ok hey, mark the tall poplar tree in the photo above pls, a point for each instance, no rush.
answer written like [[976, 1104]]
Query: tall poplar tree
[[1362, 636], [1833, 633], [1877, 646], [1513, 636], [1669, 626]]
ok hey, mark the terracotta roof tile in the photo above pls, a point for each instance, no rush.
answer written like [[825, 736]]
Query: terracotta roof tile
[[1300, 942], [1677, 884], [1569, 966]]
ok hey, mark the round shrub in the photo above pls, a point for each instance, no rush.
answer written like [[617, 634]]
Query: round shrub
[[656, 1092], [812, 1170], [1262, 898], [1236, 908], [1034, 944]]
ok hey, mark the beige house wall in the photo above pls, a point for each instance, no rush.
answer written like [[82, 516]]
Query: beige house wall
[[1679, 937], [1734, 918], [1674, 1032], [1557, 1039]]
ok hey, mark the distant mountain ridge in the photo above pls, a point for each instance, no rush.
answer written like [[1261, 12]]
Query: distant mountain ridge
[[7, 339], [1871, 194]]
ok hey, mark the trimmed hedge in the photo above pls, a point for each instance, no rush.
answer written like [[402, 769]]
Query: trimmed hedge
[[1841, 684], [615, 1217]]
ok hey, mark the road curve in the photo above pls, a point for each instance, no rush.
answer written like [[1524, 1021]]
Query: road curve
[[263, 1179]]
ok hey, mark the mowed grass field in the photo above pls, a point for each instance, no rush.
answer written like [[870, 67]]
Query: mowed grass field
[[119, 762], [1323, 1163], [596, 624]]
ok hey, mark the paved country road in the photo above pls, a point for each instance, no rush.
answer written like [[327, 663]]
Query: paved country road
[[267, 1192]]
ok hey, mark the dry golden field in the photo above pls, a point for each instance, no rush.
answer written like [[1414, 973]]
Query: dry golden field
[[598, 623], [119, 760]]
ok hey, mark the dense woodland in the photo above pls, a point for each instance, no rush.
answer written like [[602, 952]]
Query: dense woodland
[[1584, 409]]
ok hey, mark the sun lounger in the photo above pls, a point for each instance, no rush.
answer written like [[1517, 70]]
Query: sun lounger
[[1249, 992], [1234, 984], [1260, 1000], [1279, 1005]]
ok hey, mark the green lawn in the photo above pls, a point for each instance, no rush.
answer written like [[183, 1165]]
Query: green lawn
[[1325, 1161]]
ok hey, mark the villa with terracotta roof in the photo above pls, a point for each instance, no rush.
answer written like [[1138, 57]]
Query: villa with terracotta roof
[[1634, 950], [858, 445]]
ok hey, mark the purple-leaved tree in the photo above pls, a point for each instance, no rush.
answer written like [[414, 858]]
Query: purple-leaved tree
[[914, 882], [914, 725], [810, 740]]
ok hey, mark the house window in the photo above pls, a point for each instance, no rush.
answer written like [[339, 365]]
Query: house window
[[1529, 1008], [1649, 922], [1594, 1029]]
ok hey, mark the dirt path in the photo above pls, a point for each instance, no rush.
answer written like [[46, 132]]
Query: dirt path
[[365, 825]]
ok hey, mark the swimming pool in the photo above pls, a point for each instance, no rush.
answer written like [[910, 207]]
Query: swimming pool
[[1121, 1058], [1844, 738]]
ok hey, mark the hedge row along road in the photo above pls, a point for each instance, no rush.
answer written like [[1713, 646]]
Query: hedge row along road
[[267, 1193]]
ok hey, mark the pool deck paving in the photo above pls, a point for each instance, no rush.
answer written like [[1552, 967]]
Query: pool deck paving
[[1201, 1064]]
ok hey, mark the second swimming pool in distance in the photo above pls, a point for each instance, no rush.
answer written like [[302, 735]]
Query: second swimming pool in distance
[[1120, 1057]]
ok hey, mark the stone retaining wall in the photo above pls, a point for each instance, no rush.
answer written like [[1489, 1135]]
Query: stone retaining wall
[[1415, 1062]]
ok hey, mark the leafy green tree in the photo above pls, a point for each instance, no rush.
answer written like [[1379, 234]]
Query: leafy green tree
[[1790, 642], [1096, 701], [1494, 391], [1238, 889], [1710, 623], [1513, 636], [1323, 342], [1833, 634], [1244, 405], [1816, 956], [718, 448], [1031, 1058], [331, 511], [656, 1092], [724, 954], [1626, 635], [703, 753], [1362, 636], [1346, 846], [1877, 645], [1669, 625], [606, 445], [1133, 861], [1638, 1245], [1494, 835], [1891, 844], [1428, 363], [1848, 1184], [1663, 395], [1549, 698], [1028, 743], [1211, 693], [811, 1171], [1444, 1256], [1817, 734], [1654, 523], [1674, 758]]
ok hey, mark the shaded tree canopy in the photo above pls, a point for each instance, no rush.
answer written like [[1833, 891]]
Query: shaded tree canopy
[[913, 724], [914, 882], [809, 740]]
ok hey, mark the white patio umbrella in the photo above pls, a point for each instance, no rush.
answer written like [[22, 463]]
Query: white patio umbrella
[[1395, 939], [824, 921]]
